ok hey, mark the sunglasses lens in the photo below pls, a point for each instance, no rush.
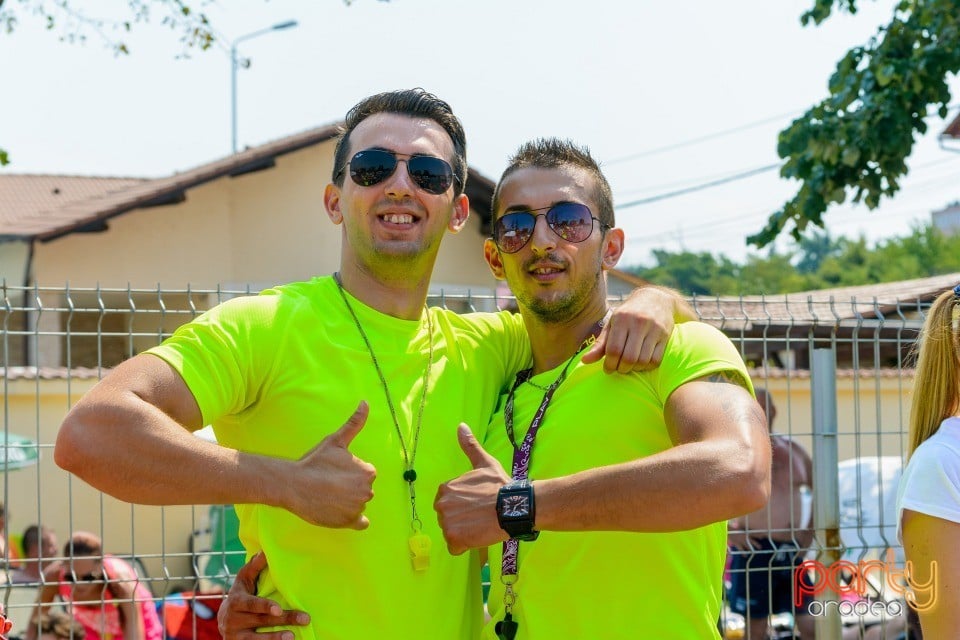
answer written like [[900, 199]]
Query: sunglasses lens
[[513, 231], [433, 175], [571, 221], [372, 166]]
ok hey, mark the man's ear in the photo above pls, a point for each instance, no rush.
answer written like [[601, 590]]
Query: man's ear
[[331, 202], [492, 255], [461, 211], [612, 248]]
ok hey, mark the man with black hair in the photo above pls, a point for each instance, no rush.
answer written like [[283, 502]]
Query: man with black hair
[[289, 378]]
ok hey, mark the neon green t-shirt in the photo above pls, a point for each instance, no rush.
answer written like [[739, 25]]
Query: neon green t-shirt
[[276, 373], [612, 584]]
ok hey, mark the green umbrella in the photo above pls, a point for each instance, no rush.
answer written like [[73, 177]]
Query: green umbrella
[[18, 452]]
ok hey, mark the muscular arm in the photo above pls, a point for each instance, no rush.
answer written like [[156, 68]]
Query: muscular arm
[[806, 533], [718, 469], [929, 541], [130, 437]]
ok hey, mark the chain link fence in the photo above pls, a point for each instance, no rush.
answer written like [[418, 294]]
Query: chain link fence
[[836, 371]]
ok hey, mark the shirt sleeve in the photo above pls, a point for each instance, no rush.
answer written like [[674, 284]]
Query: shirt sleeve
[[931, 482], [695, 350], [225, 355]]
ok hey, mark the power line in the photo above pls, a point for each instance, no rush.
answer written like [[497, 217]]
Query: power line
[[692, 141], [700, 187]]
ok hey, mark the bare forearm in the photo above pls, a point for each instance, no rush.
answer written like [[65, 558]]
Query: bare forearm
[[685, 487], [133, 451]]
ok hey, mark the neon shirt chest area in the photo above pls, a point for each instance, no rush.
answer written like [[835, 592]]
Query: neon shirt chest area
[[612, 584], [278, 373]]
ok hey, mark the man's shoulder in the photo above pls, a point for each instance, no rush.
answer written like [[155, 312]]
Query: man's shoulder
[[482, 321]]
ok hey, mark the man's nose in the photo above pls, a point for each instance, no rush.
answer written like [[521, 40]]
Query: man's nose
[[400, 184], [543, 239]]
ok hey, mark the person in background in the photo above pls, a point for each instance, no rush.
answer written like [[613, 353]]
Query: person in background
[[101, 592], [39, 548], [928, 499], [768, 544]]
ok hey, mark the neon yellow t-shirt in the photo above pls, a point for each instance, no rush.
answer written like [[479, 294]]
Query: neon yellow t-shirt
[[276, 373], [612, 584]]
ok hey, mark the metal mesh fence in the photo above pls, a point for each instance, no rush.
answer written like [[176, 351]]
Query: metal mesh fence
[[849, 414]]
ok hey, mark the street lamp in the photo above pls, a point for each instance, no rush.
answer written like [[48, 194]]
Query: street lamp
[[235, 62]]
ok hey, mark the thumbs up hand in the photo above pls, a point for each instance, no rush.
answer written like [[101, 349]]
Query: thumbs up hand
[[467, 506], [331, 487]]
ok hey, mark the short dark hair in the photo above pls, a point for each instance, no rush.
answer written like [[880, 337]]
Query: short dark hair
[[31, 537], [415, 103], [552, 153], [83, 544]]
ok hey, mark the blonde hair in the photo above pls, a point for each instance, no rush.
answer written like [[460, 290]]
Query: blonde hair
[[935, 385]]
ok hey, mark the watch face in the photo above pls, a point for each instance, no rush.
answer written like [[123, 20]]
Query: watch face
[[516, 506]]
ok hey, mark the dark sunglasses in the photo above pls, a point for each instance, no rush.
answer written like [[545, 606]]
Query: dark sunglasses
[[373, 166], [571, 221], [87, 577]]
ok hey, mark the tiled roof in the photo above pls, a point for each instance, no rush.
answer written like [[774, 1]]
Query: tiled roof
[[953, 129], [24, 198], [50, 223], [826, 306], [28, 211]]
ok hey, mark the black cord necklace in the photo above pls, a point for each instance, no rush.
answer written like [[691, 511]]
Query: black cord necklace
[[419, 542]]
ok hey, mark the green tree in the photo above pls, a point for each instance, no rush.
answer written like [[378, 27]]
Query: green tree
[[855, 142], [691, 273], [814, 248]]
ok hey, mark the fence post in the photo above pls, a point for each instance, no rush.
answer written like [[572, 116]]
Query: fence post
[[826, 499]]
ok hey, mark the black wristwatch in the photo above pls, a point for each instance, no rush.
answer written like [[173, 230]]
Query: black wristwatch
[[516, 510]]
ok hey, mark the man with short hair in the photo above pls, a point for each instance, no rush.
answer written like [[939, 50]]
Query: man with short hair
[[39, 548], [610, 519], [289, 379]]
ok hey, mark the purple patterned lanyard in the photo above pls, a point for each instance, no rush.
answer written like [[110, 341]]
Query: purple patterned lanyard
[[522, 454]]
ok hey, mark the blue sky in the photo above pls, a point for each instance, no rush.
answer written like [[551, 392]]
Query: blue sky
[[666, 94]]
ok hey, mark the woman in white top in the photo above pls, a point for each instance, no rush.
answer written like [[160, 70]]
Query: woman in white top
[[929, 497]]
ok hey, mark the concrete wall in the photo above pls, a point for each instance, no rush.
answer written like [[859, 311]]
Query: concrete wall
[[261, 228]]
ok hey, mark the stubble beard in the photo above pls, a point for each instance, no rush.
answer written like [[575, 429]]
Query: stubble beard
[[561, 306]]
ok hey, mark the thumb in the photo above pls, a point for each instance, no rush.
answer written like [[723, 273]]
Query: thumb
[[475, 452], [597, 349], [345, 434]]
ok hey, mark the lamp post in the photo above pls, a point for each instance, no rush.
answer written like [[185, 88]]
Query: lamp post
[[235, 62]]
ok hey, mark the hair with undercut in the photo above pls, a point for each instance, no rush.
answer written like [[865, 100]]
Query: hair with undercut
[[413, 103], [553, 153]]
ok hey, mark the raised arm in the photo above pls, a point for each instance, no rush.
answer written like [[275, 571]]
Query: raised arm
[[718, 468], [635, 335], [130, 436]]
